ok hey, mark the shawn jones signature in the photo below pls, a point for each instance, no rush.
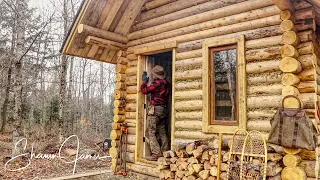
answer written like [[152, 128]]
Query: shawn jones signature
[[34, 155]]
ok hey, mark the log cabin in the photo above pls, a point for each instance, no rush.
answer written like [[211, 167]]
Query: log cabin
[[229, 62]]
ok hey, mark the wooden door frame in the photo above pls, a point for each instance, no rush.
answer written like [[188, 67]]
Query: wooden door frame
[[140, 97]]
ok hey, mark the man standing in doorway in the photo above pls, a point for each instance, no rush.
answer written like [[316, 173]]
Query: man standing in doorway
[[156, 120]]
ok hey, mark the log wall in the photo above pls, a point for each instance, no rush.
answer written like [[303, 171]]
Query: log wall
[[268, 77]]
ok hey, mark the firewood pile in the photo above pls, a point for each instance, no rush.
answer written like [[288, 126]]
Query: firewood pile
[[197, 160]]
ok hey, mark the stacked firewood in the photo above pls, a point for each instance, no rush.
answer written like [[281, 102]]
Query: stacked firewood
[[196, 160]]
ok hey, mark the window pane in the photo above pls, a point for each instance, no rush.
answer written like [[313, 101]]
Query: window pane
[[225, 85]]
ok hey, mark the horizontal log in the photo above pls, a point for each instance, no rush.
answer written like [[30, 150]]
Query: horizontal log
[[188, 115], [167, 9], [130, 107], [188, 105], [308, 61], [131, 98], [308, 100], [258, 33], [120, 86], [196, 94], [189, 63], [131, 89], [155, 34], [286, 15], [154, 4], [119, 103], [119, 118], [302, 14], [291, 38], [287, 25], [263, 66], [150, 171], [131, 81], [188, 85], [86, 29], [263, 42], [130, 115], [308, 48], [263, 113], [268, 102], [259, 125], [290, 90], [119, 111], [265, 89], [192, 74], [115, 126], [122, 60], [189, 125], [289, 51], [121, 69], [132, 57], [306, 36], [151, 49], [132, 63], [189, 54], [121, 53], [301, 4], [131, 71], [265, 53], [119, 94], [120, 77], [306, 24], [195, 135], [307, 75], [284, 5], [245, 26], [104, 43], [115, 134], [309, 167], [272, 77]]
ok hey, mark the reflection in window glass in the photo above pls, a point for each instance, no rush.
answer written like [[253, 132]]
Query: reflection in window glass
[[223, 85]]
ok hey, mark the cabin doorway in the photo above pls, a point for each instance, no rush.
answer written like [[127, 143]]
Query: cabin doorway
[[164, 60]]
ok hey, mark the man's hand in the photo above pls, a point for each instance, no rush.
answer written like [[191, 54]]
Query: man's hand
[[145, 77]]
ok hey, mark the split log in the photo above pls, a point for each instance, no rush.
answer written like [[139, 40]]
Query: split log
[[180, 174], [265, 89], [119, 111], [308, 155], [268, 101], [131, 81], [119, 118], [263, 42], [291, 160], [275, 157], [223, 176], [163, 161], [173, 167], [183, 166], [196, 94], [197, 167], [86, 29], [306, 36], [189, 148], [289, 173], [130, 107], [130, 115], [191, 20], [224, 167], [204, 174], [290, 65], [263, 66], [290, 90], [309, 167], [121, 68], [254, 34], [132, 71], [193, 62], [121, 86], [289, 79], [307, 75], [291, 38], [289, 51], [131, 89], [273, 169], [287, 25], [188, 105], [120, 77], [188, 85], [173, 159], [261, 54], [189, 54], [272, 77]]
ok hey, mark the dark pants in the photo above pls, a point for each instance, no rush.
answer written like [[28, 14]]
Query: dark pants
[[156, 123]]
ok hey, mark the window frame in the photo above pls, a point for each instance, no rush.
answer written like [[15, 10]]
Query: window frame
[[213, 121], [207, 47]]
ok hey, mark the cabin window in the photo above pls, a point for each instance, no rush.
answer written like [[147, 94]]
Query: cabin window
[[224, 85]]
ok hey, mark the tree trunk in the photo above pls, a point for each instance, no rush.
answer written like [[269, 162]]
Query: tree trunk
[[4, 108]]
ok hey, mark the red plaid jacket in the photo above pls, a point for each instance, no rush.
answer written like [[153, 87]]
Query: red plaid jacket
[[159, 89]]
